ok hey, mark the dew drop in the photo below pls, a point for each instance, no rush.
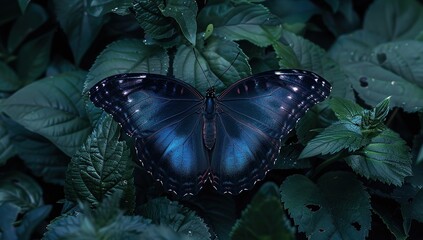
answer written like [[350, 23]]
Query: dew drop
[[189, 233], [393, 83]]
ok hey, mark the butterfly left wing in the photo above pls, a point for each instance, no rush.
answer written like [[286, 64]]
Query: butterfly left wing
[[164, 116], [253, 115]]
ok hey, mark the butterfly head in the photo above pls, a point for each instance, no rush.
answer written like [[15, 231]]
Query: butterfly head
[[211, 92]]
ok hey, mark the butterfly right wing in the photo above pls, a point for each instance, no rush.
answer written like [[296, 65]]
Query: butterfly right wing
[[164, 116]]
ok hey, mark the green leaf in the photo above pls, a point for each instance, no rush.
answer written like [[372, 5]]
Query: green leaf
[[251, 22], [60, 65], [314, 58], [105, 222], [184, 13], [292, 11], [345, 109], [338, 136], [101, 167], [412, 207], [263, 218], [386, 158], [101, 7], [219, 63], [53, 108], [151, 19], [382, 109], [286, 56], [32, 19], [337, 207], [126, 56], [80, 27], [7, 150], [181, 219], [402, 19], [33, 58], [9, 81], [391, 69], [43, 158], [20, 190]]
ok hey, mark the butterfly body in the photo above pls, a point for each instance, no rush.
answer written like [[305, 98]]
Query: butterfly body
[[232, 139]]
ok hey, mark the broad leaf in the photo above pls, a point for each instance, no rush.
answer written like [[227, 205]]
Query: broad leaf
[[42, 157], [402, 19], [80, 27], [386, 158], [220, 62], [33, 58], [101, 167], [184, 14], [251, 22], [336, 137], [125, 56], [32, 19], [263, 218], [293, 11], [20, 190], [182, 220], [53, 108], [336, 207]]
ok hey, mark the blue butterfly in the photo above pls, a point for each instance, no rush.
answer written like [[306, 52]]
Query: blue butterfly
[[185, 139]]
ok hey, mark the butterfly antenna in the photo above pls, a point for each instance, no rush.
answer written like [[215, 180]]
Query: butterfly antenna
[[202, 69], [232, 63]]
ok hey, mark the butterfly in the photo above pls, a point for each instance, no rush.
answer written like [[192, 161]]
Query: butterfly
[[185, 139]]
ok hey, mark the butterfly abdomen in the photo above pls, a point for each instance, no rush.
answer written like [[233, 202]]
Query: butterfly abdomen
[[209, 123]]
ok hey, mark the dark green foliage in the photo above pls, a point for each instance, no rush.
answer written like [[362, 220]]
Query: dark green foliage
[[352, 168]]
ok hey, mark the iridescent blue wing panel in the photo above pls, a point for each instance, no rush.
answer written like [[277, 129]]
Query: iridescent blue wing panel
[[253, 116], [164, 116]]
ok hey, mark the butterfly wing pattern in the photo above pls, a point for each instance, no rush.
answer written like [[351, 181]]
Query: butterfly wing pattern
[[253, 116], [166, 118]]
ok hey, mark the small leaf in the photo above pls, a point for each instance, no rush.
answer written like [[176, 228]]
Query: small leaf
[[151, 19], [267, 208], [386, 158], [345, 109], [101, 167], [209, 31], [33, 58], [382, 109], [53, 108], [251, 22], [222, 63], [184, 14], [336, 137], [20, 190], [80, 27], [32, 19], [182, 220], [124, 56], [337, 207]]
